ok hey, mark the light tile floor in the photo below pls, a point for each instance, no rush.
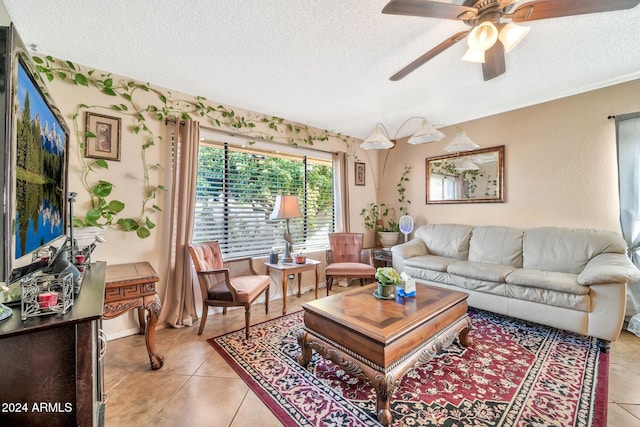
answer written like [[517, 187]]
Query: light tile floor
[[196, 387]]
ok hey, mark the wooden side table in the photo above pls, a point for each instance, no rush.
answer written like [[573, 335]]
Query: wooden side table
[[286, 268], [382, 256], [130, 286]]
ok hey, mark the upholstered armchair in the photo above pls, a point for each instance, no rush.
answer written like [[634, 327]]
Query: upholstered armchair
[[230, 283], [347, 259]]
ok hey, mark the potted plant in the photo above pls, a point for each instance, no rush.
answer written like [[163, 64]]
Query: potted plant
[[387, 278], [381, 218]]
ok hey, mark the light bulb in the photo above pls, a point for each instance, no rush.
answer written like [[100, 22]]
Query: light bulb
[[483, 36]]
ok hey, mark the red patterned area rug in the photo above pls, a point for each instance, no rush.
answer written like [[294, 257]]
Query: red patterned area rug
[[514, 374]]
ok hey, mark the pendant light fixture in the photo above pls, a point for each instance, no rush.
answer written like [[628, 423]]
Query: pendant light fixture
[[380, 139], [461, 142]]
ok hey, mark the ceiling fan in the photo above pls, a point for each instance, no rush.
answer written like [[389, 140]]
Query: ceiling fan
[[489, 38]]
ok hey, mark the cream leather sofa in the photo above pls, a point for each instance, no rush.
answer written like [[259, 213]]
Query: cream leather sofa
[[572, 279]]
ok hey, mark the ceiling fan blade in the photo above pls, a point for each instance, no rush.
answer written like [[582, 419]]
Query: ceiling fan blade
[[430, 9], [493, 62], [545, 9], [429, 55]]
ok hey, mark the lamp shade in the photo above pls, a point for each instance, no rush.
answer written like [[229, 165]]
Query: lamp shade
[[426, 133], [377, 140], [461, 143], [474, 56], [467, 165], [483, 36], [512, 34], [286, 207]]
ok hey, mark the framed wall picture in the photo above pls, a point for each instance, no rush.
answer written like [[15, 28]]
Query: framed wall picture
[[360, 173], [102, 139]]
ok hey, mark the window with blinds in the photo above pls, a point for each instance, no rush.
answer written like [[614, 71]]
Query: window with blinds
[[236, 192], [442, 187]]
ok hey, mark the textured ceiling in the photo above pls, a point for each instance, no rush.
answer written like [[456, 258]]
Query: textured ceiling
[[327, 63]]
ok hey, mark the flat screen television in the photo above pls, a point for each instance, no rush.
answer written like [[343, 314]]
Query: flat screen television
[[35, 161]]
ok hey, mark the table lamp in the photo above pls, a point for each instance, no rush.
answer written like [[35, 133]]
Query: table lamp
[[286, 207]]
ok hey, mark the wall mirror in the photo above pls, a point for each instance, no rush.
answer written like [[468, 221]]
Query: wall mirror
[[466, 177]]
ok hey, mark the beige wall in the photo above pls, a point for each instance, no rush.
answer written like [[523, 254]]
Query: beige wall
[[127, 178], [560, 164]]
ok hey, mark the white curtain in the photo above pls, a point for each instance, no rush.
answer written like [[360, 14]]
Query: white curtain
[[628, 142]]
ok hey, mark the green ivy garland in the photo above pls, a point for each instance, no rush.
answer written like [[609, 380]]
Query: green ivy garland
[[104, 211]]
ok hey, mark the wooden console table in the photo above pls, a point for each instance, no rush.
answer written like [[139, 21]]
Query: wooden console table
[[130, 286]]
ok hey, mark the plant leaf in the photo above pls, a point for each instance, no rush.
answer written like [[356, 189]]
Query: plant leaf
[[127, 224], [150, 225], [143, 232], [102, 189], [102, 163], [93, 215], [81, 79], [116, 206]]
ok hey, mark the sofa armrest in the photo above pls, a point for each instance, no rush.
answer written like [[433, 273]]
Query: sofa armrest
[[414, 247], [609, 268], [409, 249]]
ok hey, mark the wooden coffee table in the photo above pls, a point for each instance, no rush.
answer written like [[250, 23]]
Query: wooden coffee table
[[380, 340]]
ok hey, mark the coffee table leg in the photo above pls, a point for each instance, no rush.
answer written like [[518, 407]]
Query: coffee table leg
[[384, 390], [464, 339], [305, 350]]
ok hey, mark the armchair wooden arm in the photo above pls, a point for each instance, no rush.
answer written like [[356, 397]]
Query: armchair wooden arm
[[241, 266], [366, 256], [227, 280]]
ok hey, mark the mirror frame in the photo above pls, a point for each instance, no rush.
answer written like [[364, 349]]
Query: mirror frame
[[499, 186]]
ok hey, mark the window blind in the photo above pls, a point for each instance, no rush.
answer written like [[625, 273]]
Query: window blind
[[442, 187], [235, 195]]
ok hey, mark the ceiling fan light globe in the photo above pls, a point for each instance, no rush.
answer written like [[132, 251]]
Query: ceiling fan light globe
[[474, 56], [483, 36], [512, 34]]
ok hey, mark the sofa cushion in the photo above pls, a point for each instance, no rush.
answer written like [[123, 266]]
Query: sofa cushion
[[441, 277], [446, 240], [485, 286], [567, 250], [430, 262], [551, 280], [480, 270], [496, 245], [549, 297]]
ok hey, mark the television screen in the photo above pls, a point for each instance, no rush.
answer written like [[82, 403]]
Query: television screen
[[40, 169]]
